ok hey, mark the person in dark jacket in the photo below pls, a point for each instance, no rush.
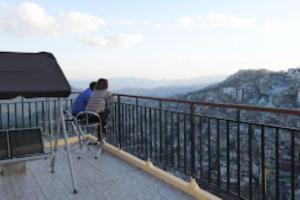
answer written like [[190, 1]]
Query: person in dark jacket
[[82, 99]]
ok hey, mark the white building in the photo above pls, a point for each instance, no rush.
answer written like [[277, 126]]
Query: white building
[[298, 97], [294, 73], [234, 93]]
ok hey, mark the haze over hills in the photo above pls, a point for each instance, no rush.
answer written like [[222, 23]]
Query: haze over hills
[[161, 91], [151, 87]]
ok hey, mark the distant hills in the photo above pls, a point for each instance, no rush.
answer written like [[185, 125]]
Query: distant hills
[[161, 91], [152, 87], [256, 87]]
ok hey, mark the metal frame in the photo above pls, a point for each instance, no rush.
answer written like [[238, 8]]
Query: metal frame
[[69, 118], [199, 137], [60, 130], [86, 115]]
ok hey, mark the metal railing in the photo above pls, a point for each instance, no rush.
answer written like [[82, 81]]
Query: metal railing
[[234, 151], [25, 113]]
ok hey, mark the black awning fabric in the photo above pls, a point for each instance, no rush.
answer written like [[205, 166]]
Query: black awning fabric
[[31, 75]]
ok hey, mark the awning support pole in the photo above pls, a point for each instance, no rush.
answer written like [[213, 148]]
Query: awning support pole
[[62, 129]]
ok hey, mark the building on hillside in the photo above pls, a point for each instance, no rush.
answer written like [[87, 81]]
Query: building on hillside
[[294, 73], [234, 93], [298, 97]]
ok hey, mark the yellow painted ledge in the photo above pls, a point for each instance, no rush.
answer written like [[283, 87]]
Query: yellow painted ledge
[[190, 188], [61, 142]]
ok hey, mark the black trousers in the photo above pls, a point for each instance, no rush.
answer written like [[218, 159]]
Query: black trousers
[[104, 120]]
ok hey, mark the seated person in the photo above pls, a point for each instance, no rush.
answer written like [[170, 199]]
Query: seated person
[[99, 101], [82, 99]]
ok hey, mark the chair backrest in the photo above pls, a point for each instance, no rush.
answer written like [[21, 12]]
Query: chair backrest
[[16, 143], [88, 119], [25, 142], [68, 116], [3, 145]]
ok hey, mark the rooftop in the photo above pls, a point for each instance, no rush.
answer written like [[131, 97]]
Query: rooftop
[[105, 178]]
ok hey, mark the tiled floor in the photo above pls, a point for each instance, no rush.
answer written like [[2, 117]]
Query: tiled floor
[[106, 178]]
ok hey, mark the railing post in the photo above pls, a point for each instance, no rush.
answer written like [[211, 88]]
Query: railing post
[[160, 130], [119, 122], [0, 116], [192, 137], [137, 145], [238, 152]]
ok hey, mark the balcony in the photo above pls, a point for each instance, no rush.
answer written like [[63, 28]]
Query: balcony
[[232, 151], [106, 178]]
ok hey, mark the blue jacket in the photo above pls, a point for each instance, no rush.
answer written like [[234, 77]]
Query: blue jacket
[[81, 101]]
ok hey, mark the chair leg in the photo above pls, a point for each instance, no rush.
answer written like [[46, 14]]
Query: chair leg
[[99, 131], [99, 152]]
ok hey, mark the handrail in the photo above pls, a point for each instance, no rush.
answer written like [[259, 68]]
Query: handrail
[[220, 105]]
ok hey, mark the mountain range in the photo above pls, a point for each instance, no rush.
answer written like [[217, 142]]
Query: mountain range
[[162, 87]]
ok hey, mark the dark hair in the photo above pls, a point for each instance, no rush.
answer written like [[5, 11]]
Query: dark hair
[[92, 85], [102, 84]]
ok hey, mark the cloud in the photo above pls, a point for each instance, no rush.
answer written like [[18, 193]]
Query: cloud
[[216, 20], [138, 24], [273, 26], [122, 40], [74, 21], [32, 19]]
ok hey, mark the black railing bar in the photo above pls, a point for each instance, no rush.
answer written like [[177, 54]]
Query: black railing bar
[[155, 134], [228, 154], [184, 144], [231, 120], [16, 117], [8, 116], [150, 131], [1, 116], [119, 124], [166, 136], [262, 147], [146, 130], [218, 155], [173, 138], [160, 132], [192, 139], [132, 129], [209, 148], [250, 159], [125, 128], [201, 147], [178, 139], [123, 132], [293, 177], [36, 114], [220, 105], [238, 153], [142, 131]]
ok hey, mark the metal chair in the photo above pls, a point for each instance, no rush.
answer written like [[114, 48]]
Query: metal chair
[[70, 119], [87, 120]]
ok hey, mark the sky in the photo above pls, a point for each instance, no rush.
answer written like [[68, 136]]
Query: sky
[[155, 39]]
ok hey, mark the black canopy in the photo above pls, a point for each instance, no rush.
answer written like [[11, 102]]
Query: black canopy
[[31, 75]]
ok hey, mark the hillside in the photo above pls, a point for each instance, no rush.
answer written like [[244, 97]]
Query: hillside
[[257, 87]]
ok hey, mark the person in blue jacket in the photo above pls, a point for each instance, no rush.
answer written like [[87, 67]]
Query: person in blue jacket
[[82, 99]]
